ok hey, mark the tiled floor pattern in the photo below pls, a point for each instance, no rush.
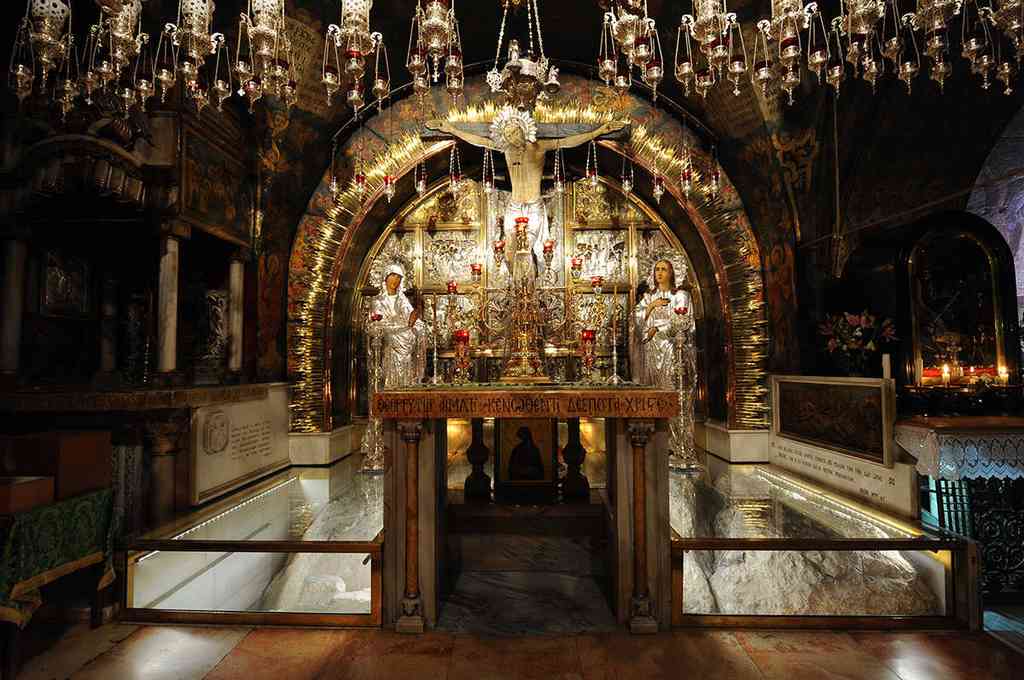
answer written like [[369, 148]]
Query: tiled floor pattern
[[125, 652]]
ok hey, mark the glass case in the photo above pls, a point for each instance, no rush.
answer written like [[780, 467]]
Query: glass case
[[755, 541], [306, 541]]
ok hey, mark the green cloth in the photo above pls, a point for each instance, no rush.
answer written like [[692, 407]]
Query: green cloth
[[45, 538]]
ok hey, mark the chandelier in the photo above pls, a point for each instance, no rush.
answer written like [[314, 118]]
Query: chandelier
[[435, 37], [182, 52], [721, 53], [115, 54], [789, 19], [628, 31], [627, 21], [42, 44], [263, 61], [346, 49], [352, 67], [527, 76]]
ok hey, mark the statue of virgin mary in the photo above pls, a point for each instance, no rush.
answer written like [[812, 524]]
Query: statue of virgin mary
[[404, 333]]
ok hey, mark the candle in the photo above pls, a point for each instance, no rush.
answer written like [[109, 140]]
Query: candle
[[549, 246], [615, 316], [453, 287], [1004, 375], [945, 374]]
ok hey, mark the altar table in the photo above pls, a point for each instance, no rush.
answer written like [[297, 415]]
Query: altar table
[[965, 447], [640, 511]]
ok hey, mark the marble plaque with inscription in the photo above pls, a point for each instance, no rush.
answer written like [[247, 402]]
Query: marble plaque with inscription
[[235, 443], [890, 488]]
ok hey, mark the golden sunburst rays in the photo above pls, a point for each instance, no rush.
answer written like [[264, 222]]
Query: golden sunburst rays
[[399, 158]]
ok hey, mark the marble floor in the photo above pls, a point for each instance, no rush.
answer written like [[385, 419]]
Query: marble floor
[[525, 602], [126, 652]]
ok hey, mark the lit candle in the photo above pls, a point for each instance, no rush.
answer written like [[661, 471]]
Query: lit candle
[[453, 287], [1004, 375], [945, 374]]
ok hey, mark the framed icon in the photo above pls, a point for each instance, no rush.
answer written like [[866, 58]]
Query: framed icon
[[526, 460]]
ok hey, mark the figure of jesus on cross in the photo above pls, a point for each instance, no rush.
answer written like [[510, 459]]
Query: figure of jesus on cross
[[525, 145]]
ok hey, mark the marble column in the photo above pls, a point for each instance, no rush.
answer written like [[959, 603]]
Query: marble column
[[411, 619], [641, 614], [15, 255], [167, 306], [236, 302], [108, 327]]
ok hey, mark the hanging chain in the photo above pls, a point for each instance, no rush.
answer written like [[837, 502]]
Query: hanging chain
[[501, 35], [529, 22], [540, 36]]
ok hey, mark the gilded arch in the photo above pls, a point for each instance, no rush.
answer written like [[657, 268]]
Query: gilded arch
[[326, 234]]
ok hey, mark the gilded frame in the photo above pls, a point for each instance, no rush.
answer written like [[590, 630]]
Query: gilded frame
[[994, 272], [886, 388]]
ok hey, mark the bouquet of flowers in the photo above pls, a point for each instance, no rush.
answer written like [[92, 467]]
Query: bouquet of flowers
[[853, 339]]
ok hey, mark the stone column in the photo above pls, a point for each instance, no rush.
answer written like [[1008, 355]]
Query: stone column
[[108, 327], [411, 619], [641, 618], [167, 306], [236, 302], [15, 254], [166, 437]]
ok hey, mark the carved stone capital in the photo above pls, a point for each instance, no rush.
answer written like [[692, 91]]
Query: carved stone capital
[[640, 431], [168, 436], [411, 620], [410, 430], [412, 606], [641, 622]]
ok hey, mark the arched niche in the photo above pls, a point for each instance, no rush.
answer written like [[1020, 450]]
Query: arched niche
[[331, 245], [437, 237], [920, 275], [958, 304]]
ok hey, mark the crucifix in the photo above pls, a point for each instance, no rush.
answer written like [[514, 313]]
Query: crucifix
[[525, 144]]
